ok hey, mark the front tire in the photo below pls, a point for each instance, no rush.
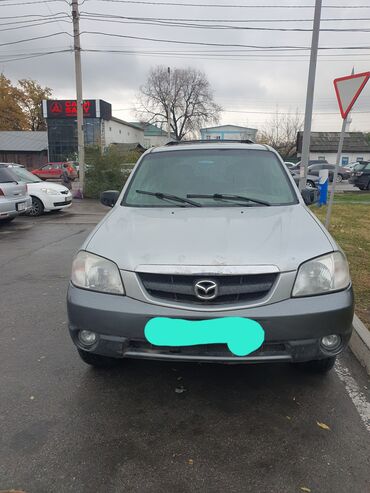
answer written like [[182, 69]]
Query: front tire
[[37, 207], [310, 184], [319, 365], [339, 178], [96, 360]]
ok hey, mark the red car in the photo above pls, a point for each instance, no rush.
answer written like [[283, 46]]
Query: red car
[[54, 170]]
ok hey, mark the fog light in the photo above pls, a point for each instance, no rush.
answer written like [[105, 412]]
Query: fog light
[[87, 338], [331, 342]]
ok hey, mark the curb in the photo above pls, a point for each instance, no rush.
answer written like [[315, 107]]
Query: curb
[[360, 343]]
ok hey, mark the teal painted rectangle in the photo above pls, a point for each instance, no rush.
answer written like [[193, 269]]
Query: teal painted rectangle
[[242, 335]]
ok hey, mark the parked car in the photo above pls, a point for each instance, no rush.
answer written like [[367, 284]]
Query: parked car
[[54, 171], [312, 181], [45, 198], [297, 166], [289, 165], [361, 176], [343, 173], [210, 248], [350, 167], [14, 198]]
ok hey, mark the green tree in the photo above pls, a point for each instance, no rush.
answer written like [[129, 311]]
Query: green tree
[[11, 112], [32, 94]]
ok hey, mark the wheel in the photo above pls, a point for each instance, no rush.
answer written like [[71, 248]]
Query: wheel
[[339, 178], [97, 360], [362, 188], [37, 207], [318, 365], [310, 184]]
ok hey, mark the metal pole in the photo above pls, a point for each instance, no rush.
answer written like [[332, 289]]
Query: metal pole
[[310, 95], [339, 155], [78, 72], [169, 105]]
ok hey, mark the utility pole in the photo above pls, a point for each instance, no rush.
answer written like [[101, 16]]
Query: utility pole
[[169, 105], [339, 155], [80, 114], [310, 96]]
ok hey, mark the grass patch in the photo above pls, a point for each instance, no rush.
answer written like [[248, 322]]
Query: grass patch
[[358, 198], [350, 226]]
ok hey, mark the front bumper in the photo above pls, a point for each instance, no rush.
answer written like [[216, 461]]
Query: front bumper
[[293, 327], [54, 202]]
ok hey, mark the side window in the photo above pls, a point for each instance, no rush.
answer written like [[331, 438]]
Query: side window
[[359, 159], [321, 158], [56, 166], [367, 166], [46, 167]]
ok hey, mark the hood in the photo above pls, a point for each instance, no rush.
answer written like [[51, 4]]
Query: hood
[[42, 184], [281, 236]]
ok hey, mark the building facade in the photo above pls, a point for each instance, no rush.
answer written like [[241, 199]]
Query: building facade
[[228, 132], [324, 146], [23, 147], [100, 127]]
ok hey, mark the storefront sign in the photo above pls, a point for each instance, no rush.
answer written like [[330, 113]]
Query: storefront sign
[[67, 108]]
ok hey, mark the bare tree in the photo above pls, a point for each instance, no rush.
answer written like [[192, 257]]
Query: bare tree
[[280, 132], [186, 93]]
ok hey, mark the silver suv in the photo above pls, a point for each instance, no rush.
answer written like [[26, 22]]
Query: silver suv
[[210, 254]]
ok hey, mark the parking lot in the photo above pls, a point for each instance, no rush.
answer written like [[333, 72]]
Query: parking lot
[[150, 426]]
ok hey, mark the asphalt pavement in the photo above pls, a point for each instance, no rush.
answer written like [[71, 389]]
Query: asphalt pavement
[[156, 426]]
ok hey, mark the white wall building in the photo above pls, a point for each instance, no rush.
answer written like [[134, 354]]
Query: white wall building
[[324, 146], [117, 131], [228, 132]]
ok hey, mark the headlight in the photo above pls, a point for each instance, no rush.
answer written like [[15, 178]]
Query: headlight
[[50, 191], [96, 273], [322, 275]]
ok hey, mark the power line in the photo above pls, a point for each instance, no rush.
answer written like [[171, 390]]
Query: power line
[[228, 6], [220, 27], [33, 39], [35, 55], [198, 43], [34, 25], [184, 19], [31, 3]]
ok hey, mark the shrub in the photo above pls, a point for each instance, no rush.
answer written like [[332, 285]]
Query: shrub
[[106, 171]]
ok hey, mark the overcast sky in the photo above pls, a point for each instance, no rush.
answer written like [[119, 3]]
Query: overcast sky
[[249, 86]]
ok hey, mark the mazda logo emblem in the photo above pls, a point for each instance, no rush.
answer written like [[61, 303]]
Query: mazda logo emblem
[[206, 290]]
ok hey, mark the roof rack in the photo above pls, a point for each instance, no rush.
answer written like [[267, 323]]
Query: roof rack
[[211, 141]]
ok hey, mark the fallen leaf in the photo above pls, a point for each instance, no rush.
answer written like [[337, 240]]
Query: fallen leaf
[[303, 488], [323, 425], [32, 398], [288, 417], [180, 390], [190, 462]]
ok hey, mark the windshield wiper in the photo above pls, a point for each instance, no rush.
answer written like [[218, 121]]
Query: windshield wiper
[[164, 196], [227, 196]]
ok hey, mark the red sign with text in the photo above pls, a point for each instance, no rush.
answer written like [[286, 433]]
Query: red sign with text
[[68, 108]]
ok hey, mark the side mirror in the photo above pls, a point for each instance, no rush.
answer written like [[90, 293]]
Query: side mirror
[[109, 197], [310, 195]]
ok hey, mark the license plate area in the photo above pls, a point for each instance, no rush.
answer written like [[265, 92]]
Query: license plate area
[[21, 206]]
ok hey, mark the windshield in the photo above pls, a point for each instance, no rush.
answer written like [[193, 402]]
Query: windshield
[[359, 166], [256, 175], [25, 176]]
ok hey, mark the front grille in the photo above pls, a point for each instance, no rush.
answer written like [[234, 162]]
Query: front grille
[[231, 288], [65, 202], [215, 350]]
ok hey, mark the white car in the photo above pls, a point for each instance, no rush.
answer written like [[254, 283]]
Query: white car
[[45, 196]]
